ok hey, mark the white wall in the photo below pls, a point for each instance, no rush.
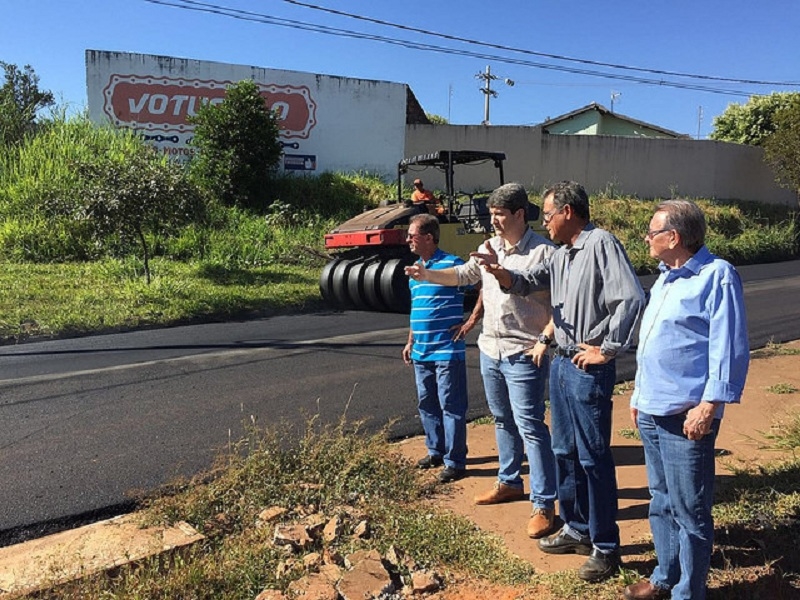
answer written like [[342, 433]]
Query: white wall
[[327, 123], [647, 168]]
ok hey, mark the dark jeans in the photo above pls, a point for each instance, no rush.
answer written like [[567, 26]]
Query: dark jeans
[[580, 408]]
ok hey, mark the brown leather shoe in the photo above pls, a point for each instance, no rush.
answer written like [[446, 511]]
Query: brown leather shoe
[[541, 522], [500, 493], [644, 590]]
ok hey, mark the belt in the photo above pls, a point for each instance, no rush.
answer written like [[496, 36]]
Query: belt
[[566, 351]]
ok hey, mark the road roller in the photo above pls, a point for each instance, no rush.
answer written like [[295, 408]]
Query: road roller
[[370, 250]]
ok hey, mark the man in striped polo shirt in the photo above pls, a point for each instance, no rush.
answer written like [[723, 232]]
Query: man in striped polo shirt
[[439, 362]]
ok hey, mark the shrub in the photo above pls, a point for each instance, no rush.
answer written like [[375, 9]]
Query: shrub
[[137, 193], [238, 146]]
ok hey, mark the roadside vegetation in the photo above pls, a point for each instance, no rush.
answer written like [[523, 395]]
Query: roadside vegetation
[[324, 471], [77, 257]]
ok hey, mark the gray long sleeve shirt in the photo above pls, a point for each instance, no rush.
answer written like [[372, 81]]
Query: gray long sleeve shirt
[[597, 298]]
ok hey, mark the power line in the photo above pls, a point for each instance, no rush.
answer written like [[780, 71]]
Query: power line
[[585, 61], [261, 18]]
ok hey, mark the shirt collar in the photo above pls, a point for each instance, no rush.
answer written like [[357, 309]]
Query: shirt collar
[[436, 256], [522, 242], [691, 267], [582, 237]]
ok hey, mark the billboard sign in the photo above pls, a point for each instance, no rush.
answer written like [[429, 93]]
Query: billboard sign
[[336, 123], [163, 104]]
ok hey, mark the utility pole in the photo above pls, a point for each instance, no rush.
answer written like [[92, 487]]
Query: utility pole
[[449, 100], [487, 90], [699, 120]]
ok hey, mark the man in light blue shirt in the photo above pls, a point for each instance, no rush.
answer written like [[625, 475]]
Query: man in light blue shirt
[[692, 360], [439, 360]]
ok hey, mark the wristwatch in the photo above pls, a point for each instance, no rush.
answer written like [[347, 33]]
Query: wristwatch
[[609, 352], [544, 339]]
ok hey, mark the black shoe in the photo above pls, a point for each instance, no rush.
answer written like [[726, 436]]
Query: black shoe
[[600, 566], [449, 474], [563, 543], [429, 462]]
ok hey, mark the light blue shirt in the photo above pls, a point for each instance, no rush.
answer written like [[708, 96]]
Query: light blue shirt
[[693, 344], [434, 310]]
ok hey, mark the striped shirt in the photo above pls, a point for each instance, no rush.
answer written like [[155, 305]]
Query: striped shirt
[[435, 309]]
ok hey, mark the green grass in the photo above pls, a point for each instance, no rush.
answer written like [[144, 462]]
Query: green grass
[[629, 433], [782, 388], [784, 433], [237, 262], [623, 388], [111, 295], [757, 518], [740, 232], [773, 349], [337, 471]]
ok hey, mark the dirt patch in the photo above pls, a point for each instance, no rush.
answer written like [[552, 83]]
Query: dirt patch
[[740, 443]]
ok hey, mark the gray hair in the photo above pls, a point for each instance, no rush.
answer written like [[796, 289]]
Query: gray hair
[[685, 217], [426, 224], [511, 196], [569, 193]]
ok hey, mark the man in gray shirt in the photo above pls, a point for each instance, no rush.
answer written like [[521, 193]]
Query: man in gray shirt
[[597, 301], [514, 359]]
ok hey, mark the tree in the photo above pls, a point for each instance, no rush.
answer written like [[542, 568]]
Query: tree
[[753, 122], [437, 119], [20, 102], [238, 146], [782, 148], [138, 193]]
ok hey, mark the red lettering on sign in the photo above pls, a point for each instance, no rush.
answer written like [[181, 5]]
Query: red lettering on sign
[[163, 104]]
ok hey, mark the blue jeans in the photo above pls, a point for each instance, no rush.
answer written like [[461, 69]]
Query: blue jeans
[[580, 408], [680, 475], [515, 393], [442, 393]]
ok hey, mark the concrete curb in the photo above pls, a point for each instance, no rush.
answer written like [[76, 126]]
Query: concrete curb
[[68, 555]]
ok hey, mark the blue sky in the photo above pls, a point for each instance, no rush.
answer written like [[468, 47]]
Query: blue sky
[[736, 39]]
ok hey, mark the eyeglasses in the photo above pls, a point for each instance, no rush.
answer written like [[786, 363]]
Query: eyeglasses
[[410, 236], [548, 216], [651, 233]]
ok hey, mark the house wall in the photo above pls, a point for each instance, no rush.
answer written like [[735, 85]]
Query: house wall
[[611, 125], [593, 122], [588, 122], [643, 167]]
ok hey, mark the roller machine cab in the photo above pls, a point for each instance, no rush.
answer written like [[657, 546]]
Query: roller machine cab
[[371, 250]]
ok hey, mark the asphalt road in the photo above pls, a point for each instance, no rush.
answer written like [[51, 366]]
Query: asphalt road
[[88, 423]]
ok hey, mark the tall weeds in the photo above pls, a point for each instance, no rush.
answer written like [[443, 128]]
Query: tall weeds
[[740, 232]]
